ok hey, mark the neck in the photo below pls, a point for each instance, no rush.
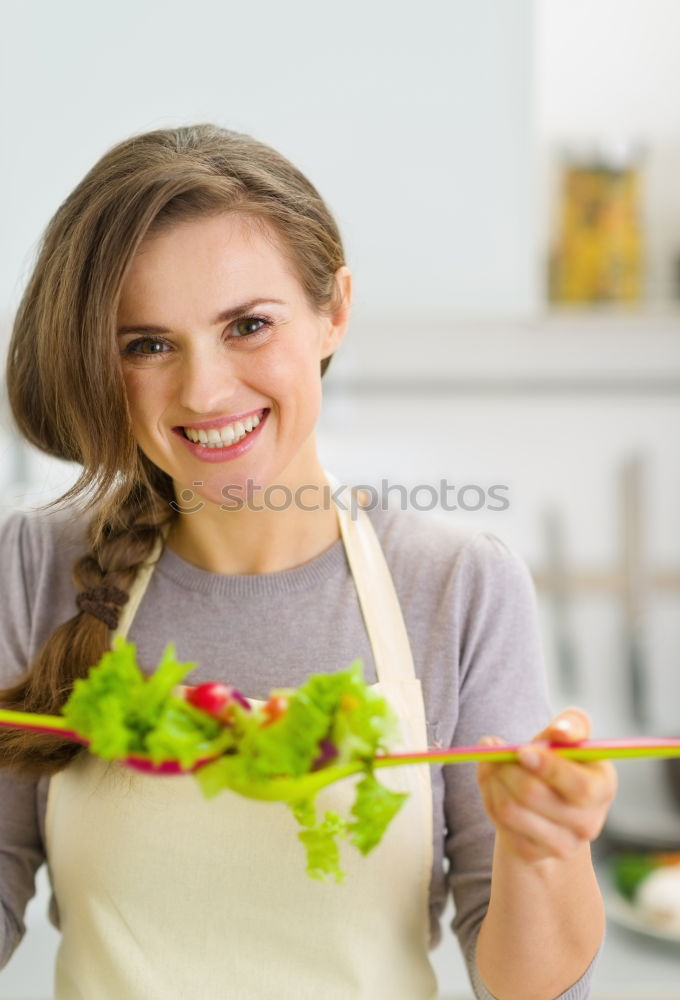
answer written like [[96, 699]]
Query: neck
[[256, 538]]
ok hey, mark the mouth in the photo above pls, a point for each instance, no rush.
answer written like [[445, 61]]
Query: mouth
[[226, 435]]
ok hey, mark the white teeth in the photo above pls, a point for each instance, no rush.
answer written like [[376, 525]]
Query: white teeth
[[220, 437]]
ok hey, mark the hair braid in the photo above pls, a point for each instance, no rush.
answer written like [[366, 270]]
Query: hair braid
[[120, 540]]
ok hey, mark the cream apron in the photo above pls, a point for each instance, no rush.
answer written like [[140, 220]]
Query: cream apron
[[164, 895]]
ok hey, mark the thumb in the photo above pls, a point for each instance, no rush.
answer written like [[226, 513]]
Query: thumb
[[570, 726]]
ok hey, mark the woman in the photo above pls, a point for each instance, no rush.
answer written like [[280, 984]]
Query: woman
[[186, 302]]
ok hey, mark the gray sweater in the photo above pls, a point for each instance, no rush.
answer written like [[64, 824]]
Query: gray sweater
[[470, 611]]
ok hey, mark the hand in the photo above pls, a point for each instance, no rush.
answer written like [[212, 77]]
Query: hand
[[545, 806]]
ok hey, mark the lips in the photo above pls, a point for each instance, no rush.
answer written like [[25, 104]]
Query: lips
[[228, 452], [220, 422]]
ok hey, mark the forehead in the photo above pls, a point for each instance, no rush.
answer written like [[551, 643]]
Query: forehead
[[206, 264]]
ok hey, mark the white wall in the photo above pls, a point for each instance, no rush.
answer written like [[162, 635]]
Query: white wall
[[413, 121]]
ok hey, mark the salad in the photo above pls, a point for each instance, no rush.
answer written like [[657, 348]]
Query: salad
[[287, 749]]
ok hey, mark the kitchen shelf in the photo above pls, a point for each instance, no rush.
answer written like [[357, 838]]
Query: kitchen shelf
[[562, 352]]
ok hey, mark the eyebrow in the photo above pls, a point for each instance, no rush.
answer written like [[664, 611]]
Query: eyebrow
[[223, 317]]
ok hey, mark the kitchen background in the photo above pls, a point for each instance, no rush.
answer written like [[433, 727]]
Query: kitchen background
[[505, 176]]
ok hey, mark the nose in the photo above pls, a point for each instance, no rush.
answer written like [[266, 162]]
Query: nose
[[207, 381]]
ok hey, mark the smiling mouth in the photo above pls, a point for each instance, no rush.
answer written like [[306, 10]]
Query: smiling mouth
[[223, 437]]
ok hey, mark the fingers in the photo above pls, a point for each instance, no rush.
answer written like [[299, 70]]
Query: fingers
[[570, 794], [517, 790], [581, 785], [545, 805], [530, 833], [486, 771], [539, 770], [577, 784]]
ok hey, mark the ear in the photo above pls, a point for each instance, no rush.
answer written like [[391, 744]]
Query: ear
[[337, 322]]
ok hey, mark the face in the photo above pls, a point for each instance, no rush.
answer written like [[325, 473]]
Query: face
[[220, 354]]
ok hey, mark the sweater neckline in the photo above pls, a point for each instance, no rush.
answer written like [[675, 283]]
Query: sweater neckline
[[307, 575]]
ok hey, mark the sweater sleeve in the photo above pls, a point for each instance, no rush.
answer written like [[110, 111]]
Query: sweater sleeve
[[503, 692], [21, 848]]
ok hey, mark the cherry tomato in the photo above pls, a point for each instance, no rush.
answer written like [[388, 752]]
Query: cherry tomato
[[216, 699], [275, 708]]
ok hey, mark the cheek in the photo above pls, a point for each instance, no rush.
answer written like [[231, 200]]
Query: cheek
[[290, 382], [303, 392], [141, 399], [135, 398], [296, 374]]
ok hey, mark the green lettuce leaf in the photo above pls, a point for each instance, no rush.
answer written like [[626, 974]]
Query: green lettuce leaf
[[374, 809], [321, 845], [122, 712]]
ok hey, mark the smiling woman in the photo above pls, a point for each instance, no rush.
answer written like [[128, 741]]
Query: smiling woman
[[186, 302]]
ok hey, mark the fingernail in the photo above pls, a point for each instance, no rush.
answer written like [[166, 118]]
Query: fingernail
[[563, 726]]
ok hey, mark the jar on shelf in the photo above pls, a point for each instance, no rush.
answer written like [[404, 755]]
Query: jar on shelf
[[598, 250]]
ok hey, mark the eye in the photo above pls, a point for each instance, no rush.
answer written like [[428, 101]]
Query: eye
[[248, 327], [146, 347]]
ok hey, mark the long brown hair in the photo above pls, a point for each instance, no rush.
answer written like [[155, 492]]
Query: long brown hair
[[64, 340]]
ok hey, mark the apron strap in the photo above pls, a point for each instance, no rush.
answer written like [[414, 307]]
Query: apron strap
[[137, 591], [377, 597]]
